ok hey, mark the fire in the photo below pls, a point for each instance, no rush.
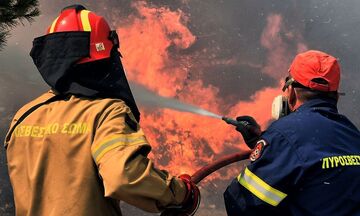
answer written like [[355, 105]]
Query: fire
[[183, 142], [144, 43]]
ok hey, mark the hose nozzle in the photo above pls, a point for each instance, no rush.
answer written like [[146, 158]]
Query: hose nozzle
[[230, 121], [234, 122]]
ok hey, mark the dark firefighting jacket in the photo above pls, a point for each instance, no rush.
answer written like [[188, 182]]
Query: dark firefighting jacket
[[80, 156], [307, 163]]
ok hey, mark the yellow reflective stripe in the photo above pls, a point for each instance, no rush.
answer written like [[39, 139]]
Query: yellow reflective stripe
[[52, 28], [84, 16], [260, 188], [114, 142]]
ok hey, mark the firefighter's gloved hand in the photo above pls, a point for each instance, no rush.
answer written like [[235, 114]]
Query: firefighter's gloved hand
[[191, 202], [249, 129]]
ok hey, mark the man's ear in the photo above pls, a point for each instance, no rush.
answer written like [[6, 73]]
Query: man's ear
[[292, 98]]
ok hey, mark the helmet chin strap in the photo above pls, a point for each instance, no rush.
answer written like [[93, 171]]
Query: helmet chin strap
[[113, 36]]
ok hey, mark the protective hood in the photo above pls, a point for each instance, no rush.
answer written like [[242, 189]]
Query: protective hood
[[55, 55]]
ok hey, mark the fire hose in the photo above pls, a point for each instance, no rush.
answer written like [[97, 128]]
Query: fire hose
[[214, 166], [203, 172], [223, 161]]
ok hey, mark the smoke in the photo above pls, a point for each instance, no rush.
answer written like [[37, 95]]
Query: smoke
[[273, 38], [147, 98]]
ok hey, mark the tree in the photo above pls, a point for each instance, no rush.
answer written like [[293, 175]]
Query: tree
[[14, 12]]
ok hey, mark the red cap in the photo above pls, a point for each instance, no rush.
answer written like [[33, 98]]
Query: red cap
[[316, 70]]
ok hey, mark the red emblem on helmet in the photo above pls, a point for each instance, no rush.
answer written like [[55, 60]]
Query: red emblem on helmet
[[258, 149]]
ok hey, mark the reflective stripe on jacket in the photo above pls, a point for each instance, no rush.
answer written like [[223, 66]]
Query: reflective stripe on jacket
[[309, 165], [78, 156]]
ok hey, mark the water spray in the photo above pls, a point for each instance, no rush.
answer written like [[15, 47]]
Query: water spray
[[146, 97], [206, 113]]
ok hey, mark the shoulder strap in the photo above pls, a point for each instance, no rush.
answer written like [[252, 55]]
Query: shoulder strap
[[27, 113]]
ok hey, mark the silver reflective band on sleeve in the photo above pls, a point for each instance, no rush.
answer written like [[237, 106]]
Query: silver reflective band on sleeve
[[117, 141], [260, 188]]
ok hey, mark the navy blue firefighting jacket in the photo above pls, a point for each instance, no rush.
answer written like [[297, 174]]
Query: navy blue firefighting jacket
[[307, 163]]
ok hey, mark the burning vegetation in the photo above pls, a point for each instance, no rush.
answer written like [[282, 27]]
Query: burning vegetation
[[182, 142], [179, 62]]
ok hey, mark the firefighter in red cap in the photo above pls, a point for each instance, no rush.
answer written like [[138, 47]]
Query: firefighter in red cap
[[308, 161], [78, 149]]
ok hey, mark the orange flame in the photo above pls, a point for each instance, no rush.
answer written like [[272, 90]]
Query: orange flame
[[182, 142]]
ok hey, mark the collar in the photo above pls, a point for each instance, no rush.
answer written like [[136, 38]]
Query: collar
[[317, 104]]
